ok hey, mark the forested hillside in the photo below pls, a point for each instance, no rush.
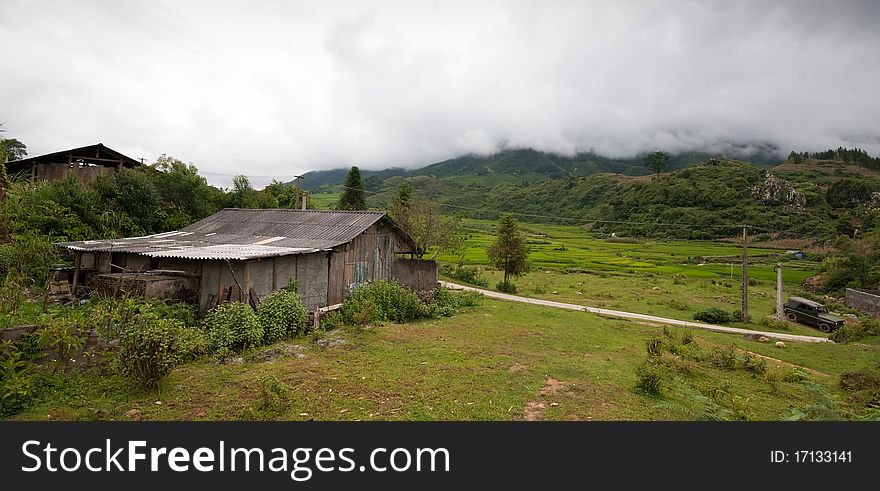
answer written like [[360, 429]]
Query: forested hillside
[[811, 199], [521, 166]]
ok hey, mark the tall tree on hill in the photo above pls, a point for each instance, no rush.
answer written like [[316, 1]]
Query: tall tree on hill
[[509, 253], [353, 198], [658, 162]]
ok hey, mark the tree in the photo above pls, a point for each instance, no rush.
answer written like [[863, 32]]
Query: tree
[[509, 252], [12, 149], [353, 198], [658, 162], [855, 261], [848, 193], [421, 219], [404, 193]]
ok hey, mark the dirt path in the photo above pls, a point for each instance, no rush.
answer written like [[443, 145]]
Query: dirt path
[[638, 317]]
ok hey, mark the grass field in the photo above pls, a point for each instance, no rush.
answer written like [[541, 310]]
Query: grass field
[[324, 201], [666, 278], [496, 361]]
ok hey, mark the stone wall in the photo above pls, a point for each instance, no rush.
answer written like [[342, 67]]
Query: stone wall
[[865, 301], [419, 275]]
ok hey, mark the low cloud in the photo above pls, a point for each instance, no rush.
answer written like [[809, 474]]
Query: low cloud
[[278, 88]]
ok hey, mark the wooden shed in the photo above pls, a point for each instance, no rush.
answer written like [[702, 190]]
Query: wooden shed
[[86, 163], [237, 251]]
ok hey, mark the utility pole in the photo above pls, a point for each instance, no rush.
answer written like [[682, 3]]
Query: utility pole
[[779, 291], [745, 275]]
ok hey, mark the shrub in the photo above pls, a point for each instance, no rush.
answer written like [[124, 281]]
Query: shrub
[[149, 349], [854, 332], [654, 347], [232, 327], [649, 378], [508, 287], [16, 380], [715, 315], [192, 343], [754, 364], [687, 338], [724, 357], [381, 301], [472, 275], [61, 337], [282, 315]]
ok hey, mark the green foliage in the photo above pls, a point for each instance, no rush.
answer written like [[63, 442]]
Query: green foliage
[[62, 337], [353, 196], [856, 331], [695, 405], [506, 287], [654, 347], [715, 315], [16, 379], [725, 358], [825, 406], [381, 301], [271, 402], [149, 349], [650, 378], [856, 263], [849, 193], [509, 253], [423, 221], [468, 274], [281, 314], [657, 162], [232, 327]]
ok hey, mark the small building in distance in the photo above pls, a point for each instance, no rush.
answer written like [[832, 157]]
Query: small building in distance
[[86, 163], [245, 254]]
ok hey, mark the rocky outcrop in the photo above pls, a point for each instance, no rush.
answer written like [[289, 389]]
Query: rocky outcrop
[[775, 191]]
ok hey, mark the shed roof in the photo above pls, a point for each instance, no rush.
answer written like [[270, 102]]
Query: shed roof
[[97, 154], [236, 233]]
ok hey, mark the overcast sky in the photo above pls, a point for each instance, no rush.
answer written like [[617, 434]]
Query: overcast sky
[[275, 88]]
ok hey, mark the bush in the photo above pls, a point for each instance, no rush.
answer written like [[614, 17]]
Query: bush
[[649, 378], [16, 380], [854, 332], [61, 337], [232, 327], [654, 347], [724, 357], [508, 287], [282, 315], [379, 301], [754, 364], [472, 275], [149, 349], [715, 315]]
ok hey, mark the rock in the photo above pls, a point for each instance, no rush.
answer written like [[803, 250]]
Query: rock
[[554, 292], [322, 343], [764, 339], [133, 414], [301, 356], [780, 344], [776, 191], [238, 361]]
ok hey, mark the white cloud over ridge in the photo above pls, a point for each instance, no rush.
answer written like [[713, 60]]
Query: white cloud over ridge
[[277, 88]]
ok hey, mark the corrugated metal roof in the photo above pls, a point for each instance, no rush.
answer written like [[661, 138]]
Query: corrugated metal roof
[[245, 234]]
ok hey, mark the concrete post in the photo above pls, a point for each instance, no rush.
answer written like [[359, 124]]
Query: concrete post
[[779, 313]]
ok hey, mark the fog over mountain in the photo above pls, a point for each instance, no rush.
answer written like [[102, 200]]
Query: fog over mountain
[[276, 88]]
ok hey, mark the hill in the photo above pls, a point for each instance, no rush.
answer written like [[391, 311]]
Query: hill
[[523, 166], [704, 201]]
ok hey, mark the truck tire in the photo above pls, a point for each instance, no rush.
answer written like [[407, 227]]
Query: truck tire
[[824, 327], [792, 316]]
